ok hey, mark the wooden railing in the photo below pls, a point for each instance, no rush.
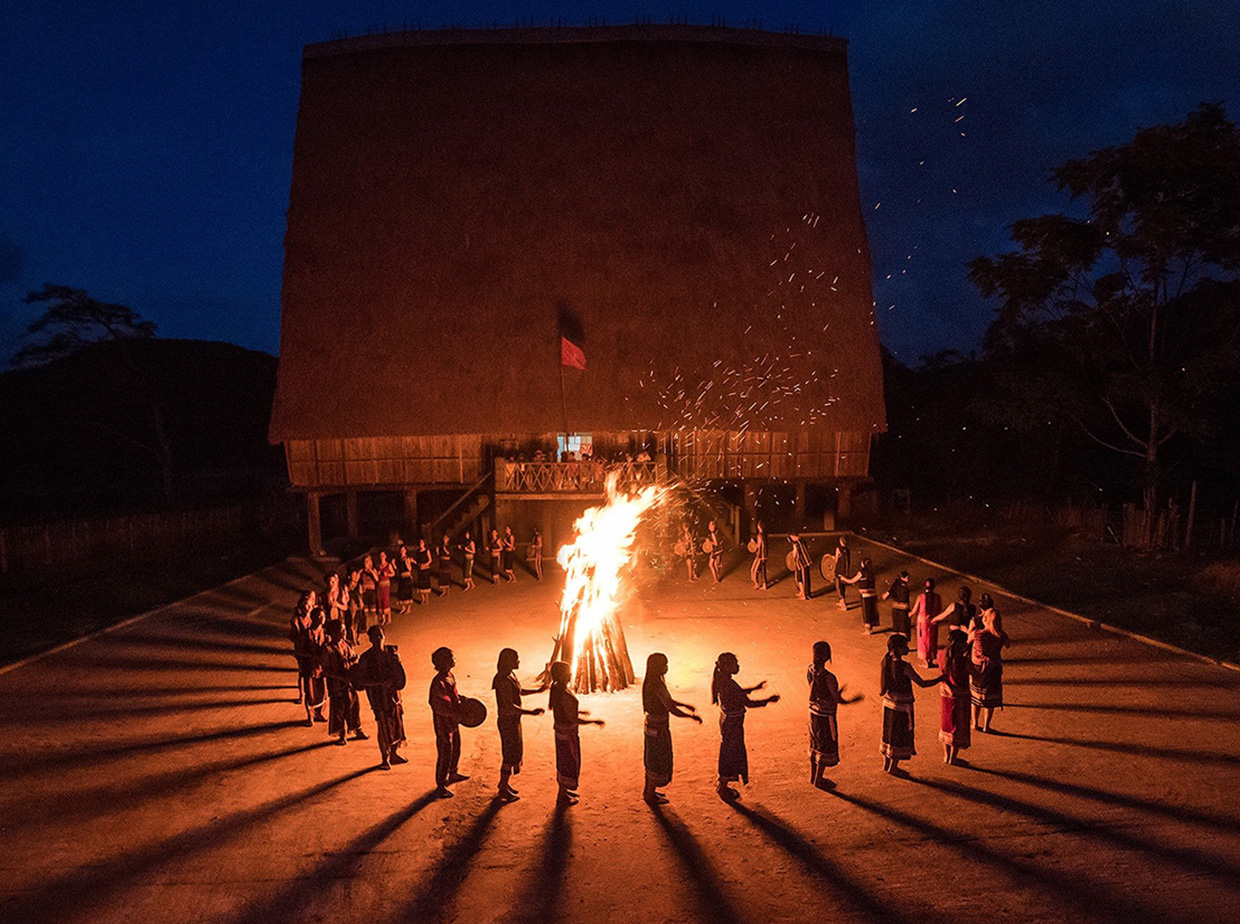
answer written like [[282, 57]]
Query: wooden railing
[[587, 477]]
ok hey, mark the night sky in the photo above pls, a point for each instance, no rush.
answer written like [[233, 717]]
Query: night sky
[[145, 147]]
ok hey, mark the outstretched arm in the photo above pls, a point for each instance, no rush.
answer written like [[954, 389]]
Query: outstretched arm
[[917, 678]]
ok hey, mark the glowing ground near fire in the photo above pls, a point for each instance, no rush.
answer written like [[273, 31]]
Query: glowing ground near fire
[[178, 785]]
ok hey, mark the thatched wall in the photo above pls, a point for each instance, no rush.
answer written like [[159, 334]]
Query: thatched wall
[[685, 197]]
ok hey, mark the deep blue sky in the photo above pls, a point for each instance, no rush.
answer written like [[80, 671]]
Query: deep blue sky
[[145, 147]]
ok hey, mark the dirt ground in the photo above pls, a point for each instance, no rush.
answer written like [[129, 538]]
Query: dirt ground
[[160, 773]]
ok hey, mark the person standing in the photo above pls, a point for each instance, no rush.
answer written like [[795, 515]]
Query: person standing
[[405, 567], [309, 652], [510, 555], [924, 614], [986, 685], [370, 591], [355, 619], [843, 568], [495, 546], [384, 571], [422, 560], [898, 593], [298, 625], [715, 554], [469, 549], [445, 713], [344, 710], [380, 673], [802, 565], [568, 721], [445, 566], [508, 693], [536, 555], [864, 579], [757, 570], [962, 614], [337, 600], [825, 696], [690, 547], [955, 666], [733, 700], [896, 688], [658, 705]]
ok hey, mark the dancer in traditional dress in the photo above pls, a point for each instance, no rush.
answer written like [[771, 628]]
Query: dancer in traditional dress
[[568, 720], [495, 546], [896, 688], [802, 565], [508, 693], [355, 621], [370, 591], [955, 666], [344, 710], [308, 649], [536, 555], [445, 566], [379, 672], [843, 568], [962, 613], [469, 549], [658, 705], [337, 600], [690, 552], [924, 614], [510, 555], [445, 705], [405, 567], [423, 558], [733, 700], [825, 696], [898, 593], [298, 625], [715, 555], [757, 570], [864, 579], [986, 685], [384, 571]]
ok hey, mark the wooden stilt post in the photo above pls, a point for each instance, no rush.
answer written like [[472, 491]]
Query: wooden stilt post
[[314, 523]]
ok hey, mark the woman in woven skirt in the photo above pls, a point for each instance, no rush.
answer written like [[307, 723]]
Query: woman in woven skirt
[[384, 572], [658, 705], [508, 693], [825, 695], [423, 558], [898, 593], [986, 685], [568, 720], [864, 579], [955, 666], [757, 570], [510, 555], [469, 549], [445, 565], [896, 688], [923, 615], [733, 700]]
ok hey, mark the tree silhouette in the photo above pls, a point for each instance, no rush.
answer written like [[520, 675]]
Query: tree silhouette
[[1127, 320], [74, 320]]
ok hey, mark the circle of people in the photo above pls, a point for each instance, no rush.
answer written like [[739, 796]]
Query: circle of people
[[331, 672]]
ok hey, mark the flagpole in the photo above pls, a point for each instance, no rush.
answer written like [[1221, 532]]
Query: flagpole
[[563, 402]]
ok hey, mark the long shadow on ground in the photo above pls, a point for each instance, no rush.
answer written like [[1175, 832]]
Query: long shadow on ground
[[434, 898], [1087, 895], [542, 899], [707, 886], [292, 903], [86, 887], [829, 874]]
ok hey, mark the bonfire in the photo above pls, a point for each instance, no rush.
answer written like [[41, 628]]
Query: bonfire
[[591, 638]]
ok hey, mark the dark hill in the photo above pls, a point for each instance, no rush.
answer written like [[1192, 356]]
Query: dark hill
[[77, 435]]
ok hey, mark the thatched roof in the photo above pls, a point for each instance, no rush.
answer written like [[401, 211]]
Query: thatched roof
[[687, 197]]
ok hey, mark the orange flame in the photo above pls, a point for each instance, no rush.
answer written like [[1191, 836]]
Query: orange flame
[[591, 637]]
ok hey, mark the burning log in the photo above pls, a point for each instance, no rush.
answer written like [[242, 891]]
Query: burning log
[[591, 638]]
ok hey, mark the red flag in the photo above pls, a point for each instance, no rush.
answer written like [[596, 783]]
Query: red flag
[[571, 354]]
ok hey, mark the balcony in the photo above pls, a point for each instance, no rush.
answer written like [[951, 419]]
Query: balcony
[[587, 477]]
